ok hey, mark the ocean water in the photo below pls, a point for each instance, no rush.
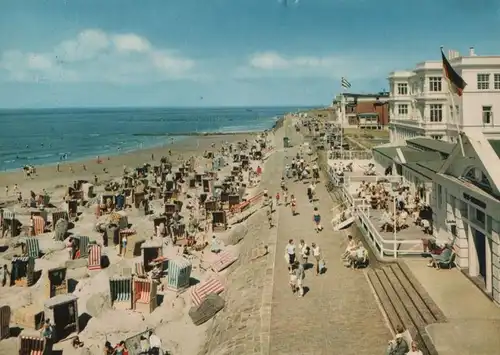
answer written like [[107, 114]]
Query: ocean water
[[41, 137]]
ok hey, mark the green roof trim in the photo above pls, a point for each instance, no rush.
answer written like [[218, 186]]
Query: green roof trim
[[410, 154], [432, 144], [495, 144], [427, 169]]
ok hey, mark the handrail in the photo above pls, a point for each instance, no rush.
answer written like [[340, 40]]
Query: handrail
[[340, 154], [382, 247]]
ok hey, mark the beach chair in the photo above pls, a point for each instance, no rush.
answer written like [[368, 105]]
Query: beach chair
[[32, 248], [38, 225], [4, 322], [445, 260], [94, 257], [139, 270], [31, 345], [83, 245]]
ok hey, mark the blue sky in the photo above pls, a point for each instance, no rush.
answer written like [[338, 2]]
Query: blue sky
[[64, 53]]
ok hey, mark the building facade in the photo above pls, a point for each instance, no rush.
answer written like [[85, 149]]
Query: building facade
[[369, 111], [420, 103]]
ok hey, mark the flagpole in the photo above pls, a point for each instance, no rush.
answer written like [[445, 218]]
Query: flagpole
[[342, 126]]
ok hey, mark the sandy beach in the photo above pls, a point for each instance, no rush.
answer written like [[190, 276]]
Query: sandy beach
[[171, 320], [50, 179]]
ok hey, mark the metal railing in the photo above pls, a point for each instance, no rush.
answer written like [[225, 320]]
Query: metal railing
[[340, 154]]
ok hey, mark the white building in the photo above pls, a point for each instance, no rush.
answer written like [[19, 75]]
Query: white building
[[420, 103]]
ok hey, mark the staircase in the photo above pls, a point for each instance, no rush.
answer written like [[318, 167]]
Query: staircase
[[406, 302]]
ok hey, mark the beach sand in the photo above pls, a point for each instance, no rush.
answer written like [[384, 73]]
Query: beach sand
[[50, 179], [170, 320]]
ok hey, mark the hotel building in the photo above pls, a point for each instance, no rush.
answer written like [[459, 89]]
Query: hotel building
[[461, 182], [420, 105]]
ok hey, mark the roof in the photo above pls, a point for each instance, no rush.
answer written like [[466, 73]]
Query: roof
[[427, 168], [410, 154], [60, 299], [495, 144], [432, 144]]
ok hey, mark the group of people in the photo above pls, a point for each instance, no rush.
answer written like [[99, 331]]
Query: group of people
[[355, 254], [150, 345], [402, 344], [297, 266]]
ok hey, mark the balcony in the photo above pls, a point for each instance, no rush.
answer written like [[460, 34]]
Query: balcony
[[431, 95], [407, 122]]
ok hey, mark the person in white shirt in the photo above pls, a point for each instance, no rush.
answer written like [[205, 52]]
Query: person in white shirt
[[317, 256], [305, 251], [414, 349], [155, 343], [290, 254]]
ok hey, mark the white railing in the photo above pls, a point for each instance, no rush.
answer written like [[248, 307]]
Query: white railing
[[372, 178], [339, 154], [383, 247]]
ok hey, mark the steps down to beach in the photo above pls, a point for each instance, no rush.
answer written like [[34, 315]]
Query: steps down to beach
[[406, 302]]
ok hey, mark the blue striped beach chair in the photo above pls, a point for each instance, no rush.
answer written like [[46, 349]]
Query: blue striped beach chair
[[121, 292], [32, 248]]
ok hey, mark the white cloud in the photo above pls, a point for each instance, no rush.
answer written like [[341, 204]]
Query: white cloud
[[362, 66], [96, 56]]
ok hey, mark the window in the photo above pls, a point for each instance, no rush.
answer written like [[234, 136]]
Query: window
[[496, 79], [403, 109], [435, 84], [436, 113], [487, 115], [483, 81], [402, 89], [436, 136]]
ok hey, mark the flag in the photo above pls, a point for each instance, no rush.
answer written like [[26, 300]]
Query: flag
[[345, 84], [456, 83]]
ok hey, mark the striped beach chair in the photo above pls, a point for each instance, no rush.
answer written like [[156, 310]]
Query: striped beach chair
[[94, 257], [144, 295], [121, 292], [32, 247], [179, 274], [7, 222], [139, 270], [224, 260], [38, 225], [31, 345], [23, 271], [200, 291], [4, 322]]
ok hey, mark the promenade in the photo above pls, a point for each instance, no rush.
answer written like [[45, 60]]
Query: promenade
[[339, 313]]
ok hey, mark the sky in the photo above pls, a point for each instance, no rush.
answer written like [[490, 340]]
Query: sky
[[130, 53]]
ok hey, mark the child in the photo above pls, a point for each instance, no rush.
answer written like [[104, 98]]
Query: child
[[277, 198], [285, 197]]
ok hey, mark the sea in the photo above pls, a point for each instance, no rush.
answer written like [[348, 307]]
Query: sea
[[47, 136]]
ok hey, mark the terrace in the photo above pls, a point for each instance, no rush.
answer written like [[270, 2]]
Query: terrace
[[371, 199]]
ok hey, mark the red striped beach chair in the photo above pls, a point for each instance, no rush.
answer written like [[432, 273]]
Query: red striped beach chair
[[200, 291], [31, 345], [38, 225], [144, 295], [94, 257], [4, 322], [225, 259]]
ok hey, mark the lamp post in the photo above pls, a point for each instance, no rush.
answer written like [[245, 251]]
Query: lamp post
[[394, 233]]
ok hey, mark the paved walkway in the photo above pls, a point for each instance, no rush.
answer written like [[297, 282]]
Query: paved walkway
[[338, 314]]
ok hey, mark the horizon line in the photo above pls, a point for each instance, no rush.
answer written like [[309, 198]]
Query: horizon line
[[156, 107]]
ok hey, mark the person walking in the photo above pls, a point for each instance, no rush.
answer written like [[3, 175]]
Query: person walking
[[5, 274], [290, 254], [317, 220], [124, 245], [293, 204], [305, 251], [300, 275], [316, 253]]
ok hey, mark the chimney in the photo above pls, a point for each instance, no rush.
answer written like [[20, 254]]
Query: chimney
[[472, 52]]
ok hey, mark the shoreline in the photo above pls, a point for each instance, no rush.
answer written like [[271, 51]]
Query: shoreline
[[49, 179]]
